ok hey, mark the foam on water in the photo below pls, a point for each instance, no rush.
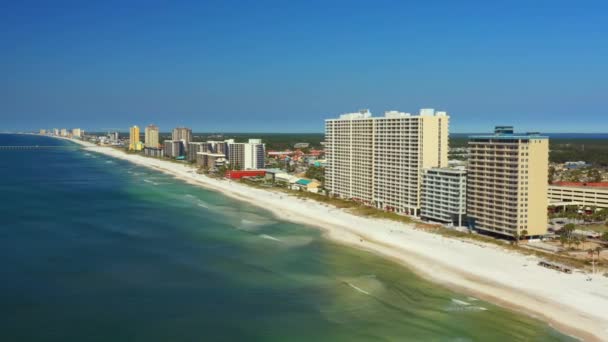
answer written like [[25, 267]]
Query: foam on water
[[150, 181], [269, 237], [459, 302], [358, 289]]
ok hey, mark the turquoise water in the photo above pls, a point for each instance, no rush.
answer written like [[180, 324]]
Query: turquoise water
[[96, 249]]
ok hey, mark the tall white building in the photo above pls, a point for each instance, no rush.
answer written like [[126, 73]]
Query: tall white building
[[246, 156], [379, 160], [444, 195]]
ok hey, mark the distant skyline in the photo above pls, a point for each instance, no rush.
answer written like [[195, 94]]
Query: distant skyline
[[285, 66]]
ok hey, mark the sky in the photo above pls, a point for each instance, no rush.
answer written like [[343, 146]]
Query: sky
[[285, 66]]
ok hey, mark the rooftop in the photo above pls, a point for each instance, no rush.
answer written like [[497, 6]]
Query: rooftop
[[507, 133], [391, 114]]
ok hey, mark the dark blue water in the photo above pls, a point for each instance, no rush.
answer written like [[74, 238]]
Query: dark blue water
[[95, 249]]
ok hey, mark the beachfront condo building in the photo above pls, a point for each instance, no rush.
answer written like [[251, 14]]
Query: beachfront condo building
[[64, 132], [246, 156], [444, 195], [134, 142], [210, 160], [151, 136], [193, 148], [507, 183], [182, 133], [174, 148], [76, 133], [43, 132], [379, 160]]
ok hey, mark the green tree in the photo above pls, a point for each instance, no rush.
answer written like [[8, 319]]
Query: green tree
[[568, 230], [523, 235], [551, 174], [598, 250], [594, 175]]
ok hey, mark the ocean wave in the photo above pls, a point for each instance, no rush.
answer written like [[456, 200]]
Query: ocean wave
[[269, 237], [358, 289]]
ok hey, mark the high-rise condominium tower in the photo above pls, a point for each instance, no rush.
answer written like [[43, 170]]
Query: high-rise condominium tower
[[151, 138], [246, 156], [507, 182], [182, 133], [134, 143], [379, 160]]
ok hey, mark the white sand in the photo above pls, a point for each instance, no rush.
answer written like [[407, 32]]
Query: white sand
[[568, 302]]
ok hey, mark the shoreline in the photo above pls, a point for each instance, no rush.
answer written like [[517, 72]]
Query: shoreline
[[567, 302]]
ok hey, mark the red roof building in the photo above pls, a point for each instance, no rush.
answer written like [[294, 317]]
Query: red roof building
[[238, 174]]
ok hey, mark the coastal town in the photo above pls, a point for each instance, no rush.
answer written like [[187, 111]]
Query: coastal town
[[387, 184], [502, 186]]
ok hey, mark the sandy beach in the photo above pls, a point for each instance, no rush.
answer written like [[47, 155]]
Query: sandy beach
[[568, 302]]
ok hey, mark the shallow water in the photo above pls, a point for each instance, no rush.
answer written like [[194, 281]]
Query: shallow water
[[96, 249]]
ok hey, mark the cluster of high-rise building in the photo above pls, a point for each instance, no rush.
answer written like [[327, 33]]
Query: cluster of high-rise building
[[399, 163], [77, 133], [210, 154]]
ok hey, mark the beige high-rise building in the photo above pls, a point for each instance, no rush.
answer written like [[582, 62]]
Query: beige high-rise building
[[379, 160], [151, 136], [182, 133], [507, 182], [134, 142], [76, 133]]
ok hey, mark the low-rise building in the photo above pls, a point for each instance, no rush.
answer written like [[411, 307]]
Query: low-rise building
[[156, 152], [574, 193], [210, 160], [443, 197]]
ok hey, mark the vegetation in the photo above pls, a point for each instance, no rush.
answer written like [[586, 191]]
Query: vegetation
[[316, 172]]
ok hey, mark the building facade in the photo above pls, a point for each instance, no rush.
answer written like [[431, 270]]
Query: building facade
[[210, 160], [582, 194], [134, 142], [507, 183], [444, 195], [76, 133], [379, 160], [156, 152], [174, 149], [246, 156], [151, 136], [182, 133], [193, 148]]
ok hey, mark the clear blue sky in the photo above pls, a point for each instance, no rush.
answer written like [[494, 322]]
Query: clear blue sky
[[246, 66]]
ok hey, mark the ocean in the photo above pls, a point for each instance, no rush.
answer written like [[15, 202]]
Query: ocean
[[97, 249]]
